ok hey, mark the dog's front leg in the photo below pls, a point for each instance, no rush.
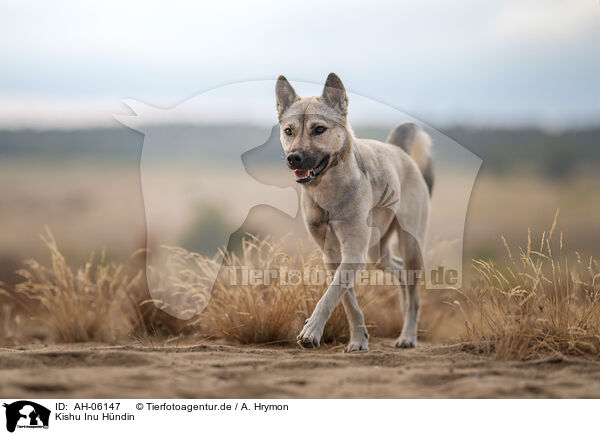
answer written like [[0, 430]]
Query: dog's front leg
[[353, 239]]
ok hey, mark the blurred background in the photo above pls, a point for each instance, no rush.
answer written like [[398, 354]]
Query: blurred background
[[515, 82]]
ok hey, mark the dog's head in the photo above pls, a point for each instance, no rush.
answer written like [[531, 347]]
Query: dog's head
[[314, 130]]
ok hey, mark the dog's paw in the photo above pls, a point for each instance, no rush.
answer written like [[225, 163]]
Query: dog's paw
[[310, 335], [358, 342], [406, 342], [358, 346]]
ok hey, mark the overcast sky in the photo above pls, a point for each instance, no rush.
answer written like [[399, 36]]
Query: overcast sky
[[513, 62]]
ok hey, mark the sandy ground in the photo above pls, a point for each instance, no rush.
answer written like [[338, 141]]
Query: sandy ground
[[216, 370]]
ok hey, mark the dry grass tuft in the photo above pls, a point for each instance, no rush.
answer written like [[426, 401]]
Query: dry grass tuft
[[539, 302], [274, 312], [94, 303], [255, 311], [182, 283], [103, 301]]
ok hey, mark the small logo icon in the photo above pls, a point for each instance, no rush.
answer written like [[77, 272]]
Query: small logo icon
[[26, 414]]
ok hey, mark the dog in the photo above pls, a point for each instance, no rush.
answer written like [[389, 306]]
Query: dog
[[362, 200]]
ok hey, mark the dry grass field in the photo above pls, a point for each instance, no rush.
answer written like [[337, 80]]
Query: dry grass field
[[529, 328], [526, 324]]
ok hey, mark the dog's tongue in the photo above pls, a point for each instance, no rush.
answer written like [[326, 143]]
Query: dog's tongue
[[301, 173]]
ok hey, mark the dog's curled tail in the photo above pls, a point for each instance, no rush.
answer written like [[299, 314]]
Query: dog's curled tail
[[417, 143]]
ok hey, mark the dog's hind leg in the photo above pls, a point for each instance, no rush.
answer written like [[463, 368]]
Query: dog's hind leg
[[390, 262], [410, 290], [381, 254]]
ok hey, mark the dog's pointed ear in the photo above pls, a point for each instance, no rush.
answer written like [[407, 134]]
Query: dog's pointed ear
[[334, 94], [286, 96]]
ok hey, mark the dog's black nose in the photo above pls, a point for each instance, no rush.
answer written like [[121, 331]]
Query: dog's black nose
[[295, 160]]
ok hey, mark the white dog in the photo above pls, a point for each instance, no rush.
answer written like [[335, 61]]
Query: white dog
[[361, 200]]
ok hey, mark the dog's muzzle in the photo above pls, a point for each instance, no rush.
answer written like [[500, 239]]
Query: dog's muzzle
[[306, 168]]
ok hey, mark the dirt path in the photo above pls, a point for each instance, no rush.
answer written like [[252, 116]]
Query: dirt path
[[224, 370]]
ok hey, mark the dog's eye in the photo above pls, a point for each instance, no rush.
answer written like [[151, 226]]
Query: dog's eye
[[319, 129], [288, 131]]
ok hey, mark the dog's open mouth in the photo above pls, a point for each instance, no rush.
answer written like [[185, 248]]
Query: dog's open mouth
[[306, 175]]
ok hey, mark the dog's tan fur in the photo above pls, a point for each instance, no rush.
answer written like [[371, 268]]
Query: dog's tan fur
[[370, 203]]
